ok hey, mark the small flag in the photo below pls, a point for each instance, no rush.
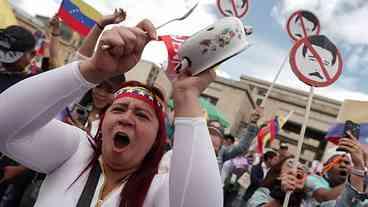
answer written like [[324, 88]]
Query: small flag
[[355, 111], [173, 44], [78, 15], [7, 16], [268, 133]]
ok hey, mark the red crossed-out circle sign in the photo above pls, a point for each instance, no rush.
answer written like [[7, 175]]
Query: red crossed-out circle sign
[[316, 61], [236, 8], [302, 24]]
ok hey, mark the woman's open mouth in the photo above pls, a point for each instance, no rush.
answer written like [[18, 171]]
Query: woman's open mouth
[[121, 140]]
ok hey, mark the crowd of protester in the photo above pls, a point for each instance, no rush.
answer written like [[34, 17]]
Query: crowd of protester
[[39, 150]]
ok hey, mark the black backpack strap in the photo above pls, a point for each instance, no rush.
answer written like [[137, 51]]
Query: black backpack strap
[[89, 189]]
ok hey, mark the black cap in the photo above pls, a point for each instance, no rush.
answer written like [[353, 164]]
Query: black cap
[[14, 41]]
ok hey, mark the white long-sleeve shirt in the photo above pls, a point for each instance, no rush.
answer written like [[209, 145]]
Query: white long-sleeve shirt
[[30, 135]]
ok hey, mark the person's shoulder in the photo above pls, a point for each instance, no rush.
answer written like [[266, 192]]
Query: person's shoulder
[[316, 178], [264, 190], [315, 182]]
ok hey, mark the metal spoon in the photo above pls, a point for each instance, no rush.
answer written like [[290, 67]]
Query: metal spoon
[[105, 47], [179, 18]]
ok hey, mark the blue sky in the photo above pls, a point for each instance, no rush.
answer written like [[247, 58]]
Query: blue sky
[[343, 21]]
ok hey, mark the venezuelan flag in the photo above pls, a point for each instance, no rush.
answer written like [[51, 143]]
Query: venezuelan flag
[[269, 132], [78, 15], [355, 111]]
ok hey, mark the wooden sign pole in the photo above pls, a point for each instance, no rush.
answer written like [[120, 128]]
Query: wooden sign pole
[[301, 139], [274, 81]]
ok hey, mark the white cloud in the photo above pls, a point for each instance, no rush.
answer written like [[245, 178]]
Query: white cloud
[[49, 8], [354, 60], [223, 74], [340, 93], [344, 20]]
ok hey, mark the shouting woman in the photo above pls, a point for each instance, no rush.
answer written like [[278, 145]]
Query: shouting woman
[[119, 168]]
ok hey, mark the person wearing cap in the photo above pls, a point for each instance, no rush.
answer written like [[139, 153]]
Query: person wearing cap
[[217, 137], [120, 168], [17, 48], [340, 174]]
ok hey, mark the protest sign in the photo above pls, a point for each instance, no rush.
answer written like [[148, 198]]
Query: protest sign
[[302, 24], [236, 8]]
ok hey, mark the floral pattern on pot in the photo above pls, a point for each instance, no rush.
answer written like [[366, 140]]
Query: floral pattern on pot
[[221, 40]]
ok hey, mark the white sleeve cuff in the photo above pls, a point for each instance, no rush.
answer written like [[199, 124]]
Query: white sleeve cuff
[[190, 120]]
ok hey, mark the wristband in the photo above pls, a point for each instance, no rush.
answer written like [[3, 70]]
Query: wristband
[[358, 172]]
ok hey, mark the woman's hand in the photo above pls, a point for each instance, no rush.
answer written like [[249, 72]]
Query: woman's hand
[[194, 85], [125, 44], [118, 16], [187, 89]]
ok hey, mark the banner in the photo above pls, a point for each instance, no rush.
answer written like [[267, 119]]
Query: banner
[[173, 44]]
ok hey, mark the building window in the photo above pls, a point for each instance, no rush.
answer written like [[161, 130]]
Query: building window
[[262, 92], [211, 99]]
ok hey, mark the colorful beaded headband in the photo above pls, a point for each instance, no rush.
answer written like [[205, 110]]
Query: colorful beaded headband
[[140, 93]]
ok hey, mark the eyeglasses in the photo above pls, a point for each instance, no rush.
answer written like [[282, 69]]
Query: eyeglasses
[[300, 166]]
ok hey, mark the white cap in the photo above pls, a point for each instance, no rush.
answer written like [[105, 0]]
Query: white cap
[[332, 152]]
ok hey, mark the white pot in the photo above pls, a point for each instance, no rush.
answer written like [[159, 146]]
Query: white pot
[[213, 45]]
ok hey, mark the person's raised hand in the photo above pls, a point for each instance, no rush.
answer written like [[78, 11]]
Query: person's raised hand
[[118, 16], [187, 89], [351, 145], [54, 24], [125, 47], [192, 85]]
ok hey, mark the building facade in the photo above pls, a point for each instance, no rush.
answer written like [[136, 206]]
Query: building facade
[[283, 100]]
